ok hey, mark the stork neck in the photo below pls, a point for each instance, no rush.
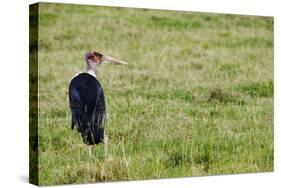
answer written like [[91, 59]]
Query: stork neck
[[91, 72]]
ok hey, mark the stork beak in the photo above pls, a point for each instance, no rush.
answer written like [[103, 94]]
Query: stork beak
[[113, 60]]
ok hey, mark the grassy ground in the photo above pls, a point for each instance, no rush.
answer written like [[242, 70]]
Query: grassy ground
[[196, 99]]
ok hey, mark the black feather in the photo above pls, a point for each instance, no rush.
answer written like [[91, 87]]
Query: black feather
[[88, 108]]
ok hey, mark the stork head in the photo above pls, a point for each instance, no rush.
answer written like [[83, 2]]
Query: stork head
[[95, 58]]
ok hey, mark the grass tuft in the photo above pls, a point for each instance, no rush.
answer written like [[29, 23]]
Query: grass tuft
[[258, 89]]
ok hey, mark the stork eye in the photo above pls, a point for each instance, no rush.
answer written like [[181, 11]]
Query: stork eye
[[96, 59]]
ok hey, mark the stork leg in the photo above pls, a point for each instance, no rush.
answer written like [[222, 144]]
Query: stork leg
[[90, 152], [105, 141]]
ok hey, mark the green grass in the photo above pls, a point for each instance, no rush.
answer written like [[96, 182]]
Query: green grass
[[196, 98]]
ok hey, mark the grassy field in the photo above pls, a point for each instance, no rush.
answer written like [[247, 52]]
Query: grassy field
[[196, 98]]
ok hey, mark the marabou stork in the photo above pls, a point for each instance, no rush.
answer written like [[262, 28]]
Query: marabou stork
[[87, 102]]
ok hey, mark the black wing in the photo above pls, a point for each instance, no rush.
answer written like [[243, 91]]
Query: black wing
[[88, 108]]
